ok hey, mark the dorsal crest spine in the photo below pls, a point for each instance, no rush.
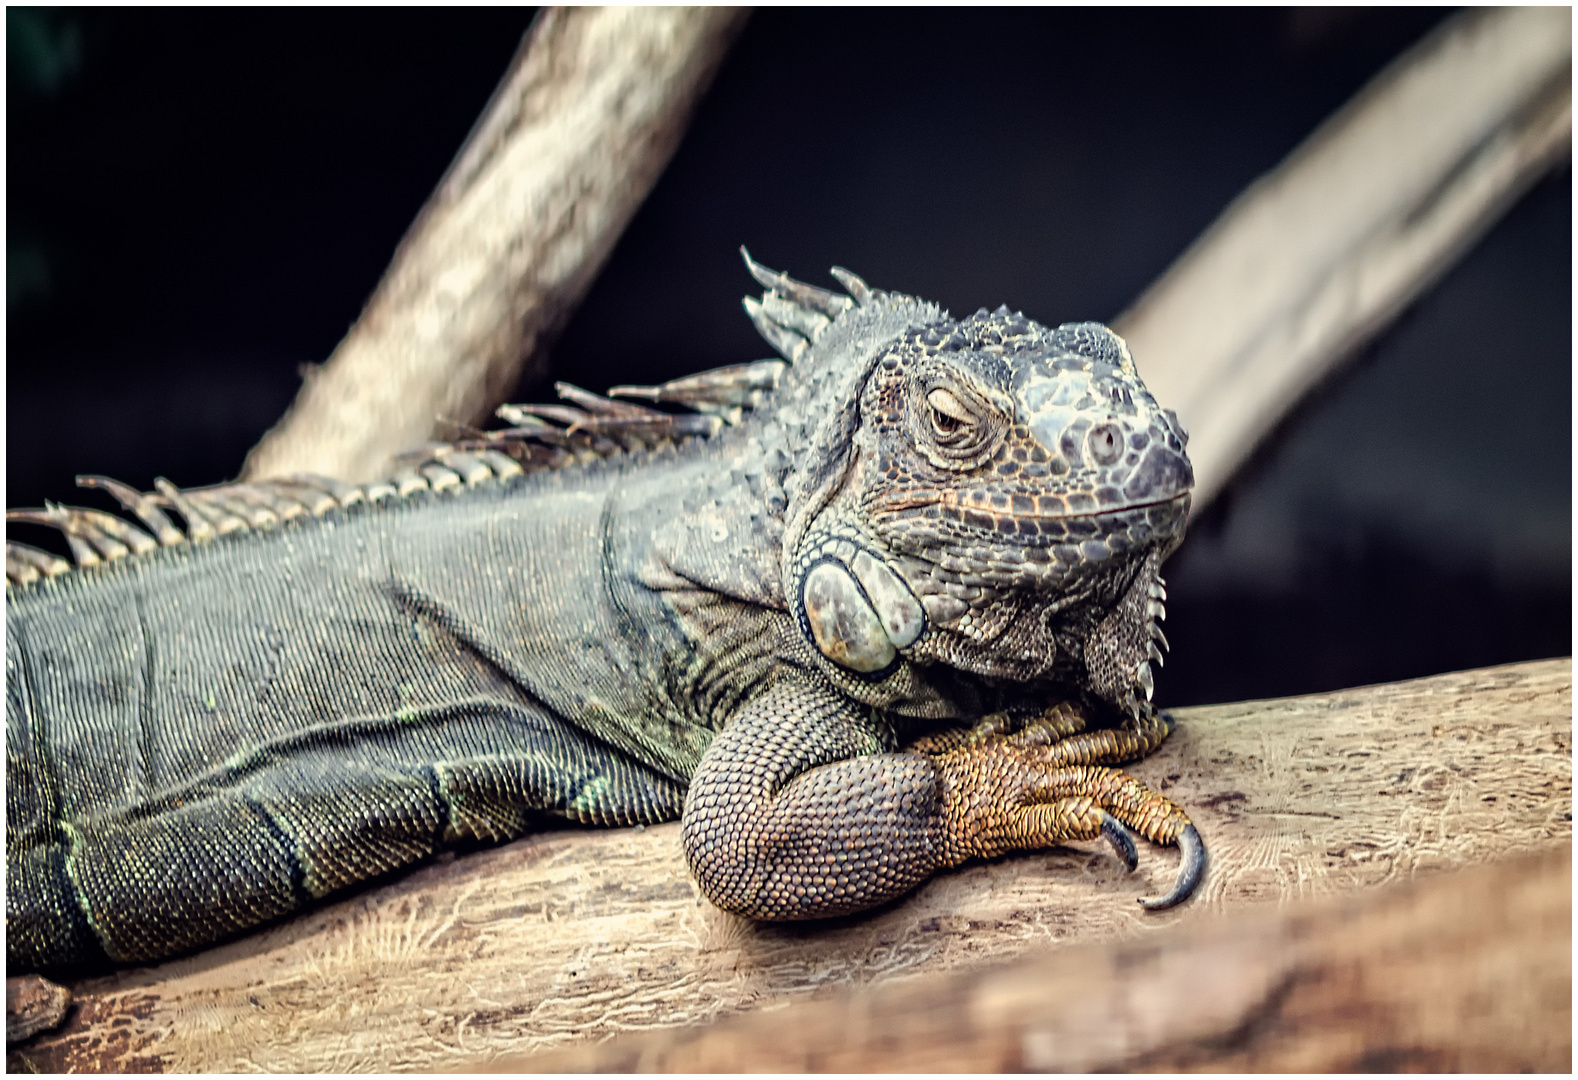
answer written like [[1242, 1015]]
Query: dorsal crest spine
[[584, 427]]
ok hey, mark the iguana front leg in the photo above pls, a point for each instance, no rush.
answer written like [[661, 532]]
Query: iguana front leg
[[803, 808], [800, 809]]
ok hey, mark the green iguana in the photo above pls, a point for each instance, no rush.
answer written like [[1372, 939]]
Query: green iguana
[[855, 618]]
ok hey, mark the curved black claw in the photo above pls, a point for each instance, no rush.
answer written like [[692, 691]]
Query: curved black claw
[[1190, 871], [1122, 841]]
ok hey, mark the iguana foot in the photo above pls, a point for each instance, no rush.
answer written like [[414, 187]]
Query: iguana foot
[[1039, 787], [33, 1004]]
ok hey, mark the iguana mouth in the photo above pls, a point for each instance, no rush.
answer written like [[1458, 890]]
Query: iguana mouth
[[1002, 551], [946, 512], [905, 505]]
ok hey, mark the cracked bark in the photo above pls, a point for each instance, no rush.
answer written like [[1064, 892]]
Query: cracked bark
[[564, 940], [1367, 983]]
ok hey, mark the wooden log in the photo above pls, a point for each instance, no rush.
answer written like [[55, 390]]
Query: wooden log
[[589, 113], [1323, 252], [1465, 972], [573, 936]]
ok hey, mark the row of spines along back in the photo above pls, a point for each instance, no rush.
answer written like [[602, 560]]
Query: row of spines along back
[[585, 426]]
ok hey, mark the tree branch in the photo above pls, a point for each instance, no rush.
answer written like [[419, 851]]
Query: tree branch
[[1366, 214], [583, 123], [569, 937], [1469, 972]]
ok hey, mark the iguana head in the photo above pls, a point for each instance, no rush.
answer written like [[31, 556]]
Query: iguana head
[[985, 493]]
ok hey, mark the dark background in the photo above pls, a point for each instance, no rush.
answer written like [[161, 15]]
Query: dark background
[[200, 201]]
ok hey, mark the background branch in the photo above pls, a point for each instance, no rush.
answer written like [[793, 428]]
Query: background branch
[[1299, 271], [581, 127], [1320, 254]]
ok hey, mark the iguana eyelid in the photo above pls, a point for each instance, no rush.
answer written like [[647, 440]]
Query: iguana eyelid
[[954, 425], [943, 400]]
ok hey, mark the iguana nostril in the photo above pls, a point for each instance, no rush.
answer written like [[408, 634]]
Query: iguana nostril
[[1106, 443]]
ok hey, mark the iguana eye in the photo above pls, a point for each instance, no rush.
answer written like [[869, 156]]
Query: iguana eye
[[948, 413], [954, 425]]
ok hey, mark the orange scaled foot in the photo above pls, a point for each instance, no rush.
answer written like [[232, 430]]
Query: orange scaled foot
[[1045, 784]]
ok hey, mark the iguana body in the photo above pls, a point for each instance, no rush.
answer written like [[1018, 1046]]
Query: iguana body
[[923, 529]]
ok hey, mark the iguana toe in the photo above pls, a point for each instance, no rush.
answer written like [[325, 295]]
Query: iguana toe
[[1122, 841], [1190, 871]]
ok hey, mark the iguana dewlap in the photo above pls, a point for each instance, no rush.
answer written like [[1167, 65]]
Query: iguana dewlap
[[855, 618]]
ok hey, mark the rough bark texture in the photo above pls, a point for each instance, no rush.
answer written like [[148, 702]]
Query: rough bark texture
[[570, 937], [1466, 972], [584, 122], [1324, 251], [33, 1004]]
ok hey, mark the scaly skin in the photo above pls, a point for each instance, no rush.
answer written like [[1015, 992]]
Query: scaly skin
[[783, 619]]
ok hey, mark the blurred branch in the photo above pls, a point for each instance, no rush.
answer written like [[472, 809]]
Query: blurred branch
[[589, 113], [573, 936], [1324, 251], [1471, 972], [1303, 267]]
